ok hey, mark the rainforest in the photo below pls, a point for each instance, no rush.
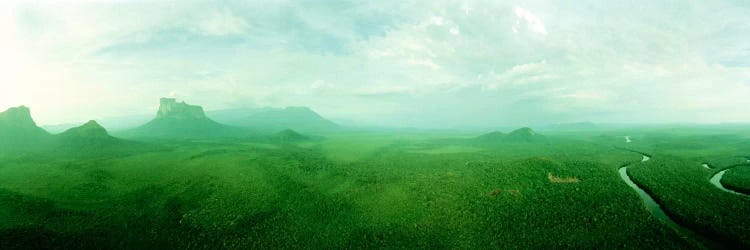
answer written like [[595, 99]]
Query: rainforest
[[374, 125]]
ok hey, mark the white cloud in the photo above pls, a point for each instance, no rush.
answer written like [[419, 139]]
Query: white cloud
[[466, 9], [317, 84], [437, 20], [522, 74], [424, 62], [534, 23]]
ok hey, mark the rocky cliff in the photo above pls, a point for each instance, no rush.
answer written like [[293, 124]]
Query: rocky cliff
[[170, 108], [181, 120]]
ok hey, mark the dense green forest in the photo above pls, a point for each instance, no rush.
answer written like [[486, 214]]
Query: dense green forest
[[373, 189]]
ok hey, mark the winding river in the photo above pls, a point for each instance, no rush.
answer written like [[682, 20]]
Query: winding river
[[650, 203], [655, 209], [716, 180]]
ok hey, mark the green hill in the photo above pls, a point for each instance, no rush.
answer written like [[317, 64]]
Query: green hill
[[272, 119], [491, 136], [290, 135], [90, 133], [93, 140], [523, 135], [519, 135], [18, 131], [181, 120]]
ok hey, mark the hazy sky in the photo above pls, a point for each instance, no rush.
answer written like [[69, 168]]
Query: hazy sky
[[404, 63]]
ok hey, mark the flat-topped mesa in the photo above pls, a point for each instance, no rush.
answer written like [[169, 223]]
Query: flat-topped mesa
[[180, 120], [170, 108]]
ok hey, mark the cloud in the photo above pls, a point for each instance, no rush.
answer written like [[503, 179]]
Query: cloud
[[522, 74], [523, 63], [454, 31], [534, 23]]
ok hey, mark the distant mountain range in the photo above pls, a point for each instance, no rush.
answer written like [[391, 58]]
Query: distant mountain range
[[257, 119], [179, 120], [173, 120], [274, 119]]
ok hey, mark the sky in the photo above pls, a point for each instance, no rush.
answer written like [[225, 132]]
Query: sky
[[437, 64]]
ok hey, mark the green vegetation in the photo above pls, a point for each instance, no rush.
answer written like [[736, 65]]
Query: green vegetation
[[226, 194], [491, 137], [738, 179], [677, 181], [375, 189], [290, 135]]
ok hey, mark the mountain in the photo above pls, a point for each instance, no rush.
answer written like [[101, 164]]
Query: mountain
[[169, 108], [18, 117], [181, 120], [519, 135], [271, 119], [232, 115], [92, 140], [18, 131], [60, 127], [90, 133], [111, 123], [523, 135], [290, 135]]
